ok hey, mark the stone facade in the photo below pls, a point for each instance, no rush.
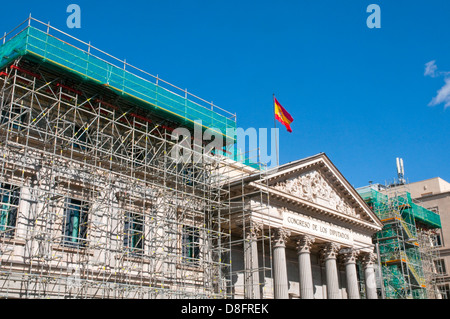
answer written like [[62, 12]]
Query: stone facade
[[320, 229]]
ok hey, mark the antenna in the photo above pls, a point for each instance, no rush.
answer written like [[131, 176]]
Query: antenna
[[400, 171], [401, 167]]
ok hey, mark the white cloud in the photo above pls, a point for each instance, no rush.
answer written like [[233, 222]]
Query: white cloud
[[430, 68], [443, 95]]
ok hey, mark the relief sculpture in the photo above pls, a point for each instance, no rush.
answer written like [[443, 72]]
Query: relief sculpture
[[313, 187]]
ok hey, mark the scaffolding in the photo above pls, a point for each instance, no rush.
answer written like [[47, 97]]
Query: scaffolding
[[430, 255], [406, 252], [93, 204], [251, 237], [43, 43]]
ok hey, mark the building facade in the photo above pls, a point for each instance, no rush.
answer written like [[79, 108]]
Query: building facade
[[95, 205], [406, 252], [311, 239], [93, 202], [434, 194]]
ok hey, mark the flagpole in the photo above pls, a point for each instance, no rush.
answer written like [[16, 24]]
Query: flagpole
[[275, 122]]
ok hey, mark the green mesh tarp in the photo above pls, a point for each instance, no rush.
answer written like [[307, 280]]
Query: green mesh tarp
[[425, 215], [410, 210], [49, 49]]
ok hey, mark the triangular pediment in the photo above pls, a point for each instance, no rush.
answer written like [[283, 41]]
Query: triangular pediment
[[317, 181], [313, 187]]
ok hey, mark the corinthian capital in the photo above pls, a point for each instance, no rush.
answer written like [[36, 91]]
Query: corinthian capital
[[254, 230], [349, 255], [280, 237], [304, 244], [369, 259], [250, 228], [329, 251]]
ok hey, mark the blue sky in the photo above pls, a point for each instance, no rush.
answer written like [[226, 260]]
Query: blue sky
[[360, 95]]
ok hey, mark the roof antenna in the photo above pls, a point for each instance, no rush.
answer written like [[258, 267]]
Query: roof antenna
[[400, 171]]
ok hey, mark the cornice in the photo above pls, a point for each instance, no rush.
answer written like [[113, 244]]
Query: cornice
[[314, 207]]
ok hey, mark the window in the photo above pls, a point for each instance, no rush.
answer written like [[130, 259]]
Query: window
[[9, 204], [75, 222], [440, 266], [436, 239], [445, 291], [134, 233], [190, 245]]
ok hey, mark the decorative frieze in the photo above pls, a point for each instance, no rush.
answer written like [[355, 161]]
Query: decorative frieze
[[313, 187]]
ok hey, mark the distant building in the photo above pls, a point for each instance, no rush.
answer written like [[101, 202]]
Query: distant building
[[434, 194], [406, 253], [412, 254]]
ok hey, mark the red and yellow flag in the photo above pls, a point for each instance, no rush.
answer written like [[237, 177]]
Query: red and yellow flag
[[283, 116]]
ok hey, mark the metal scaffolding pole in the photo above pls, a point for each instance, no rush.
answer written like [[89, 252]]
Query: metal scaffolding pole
[[93, 204]]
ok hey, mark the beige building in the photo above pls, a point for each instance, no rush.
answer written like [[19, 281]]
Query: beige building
[[434, 194]]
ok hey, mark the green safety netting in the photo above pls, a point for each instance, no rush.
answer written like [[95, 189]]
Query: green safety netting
[[48, 49], [399, 252], [404, 205]]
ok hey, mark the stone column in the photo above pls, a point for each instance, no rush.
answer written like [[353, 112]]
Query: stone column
[[279, 264], [304, 244], [329, 254], [349, 259], [24, 219], [369, 274], [23, 214], [251, 265], [108, 231]]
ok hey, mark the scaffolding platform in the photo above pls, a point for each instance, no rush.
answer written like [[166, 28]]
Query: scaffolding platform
[[405, 257], [92, 203], [56, 49]]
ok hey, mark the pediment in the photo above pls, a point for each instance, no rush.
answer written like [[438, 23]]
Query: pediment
[[313, 187], [317, 181]]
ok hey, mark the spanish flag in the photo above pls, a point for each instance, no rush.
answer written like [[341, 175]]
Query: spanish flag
[[282, 115]]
